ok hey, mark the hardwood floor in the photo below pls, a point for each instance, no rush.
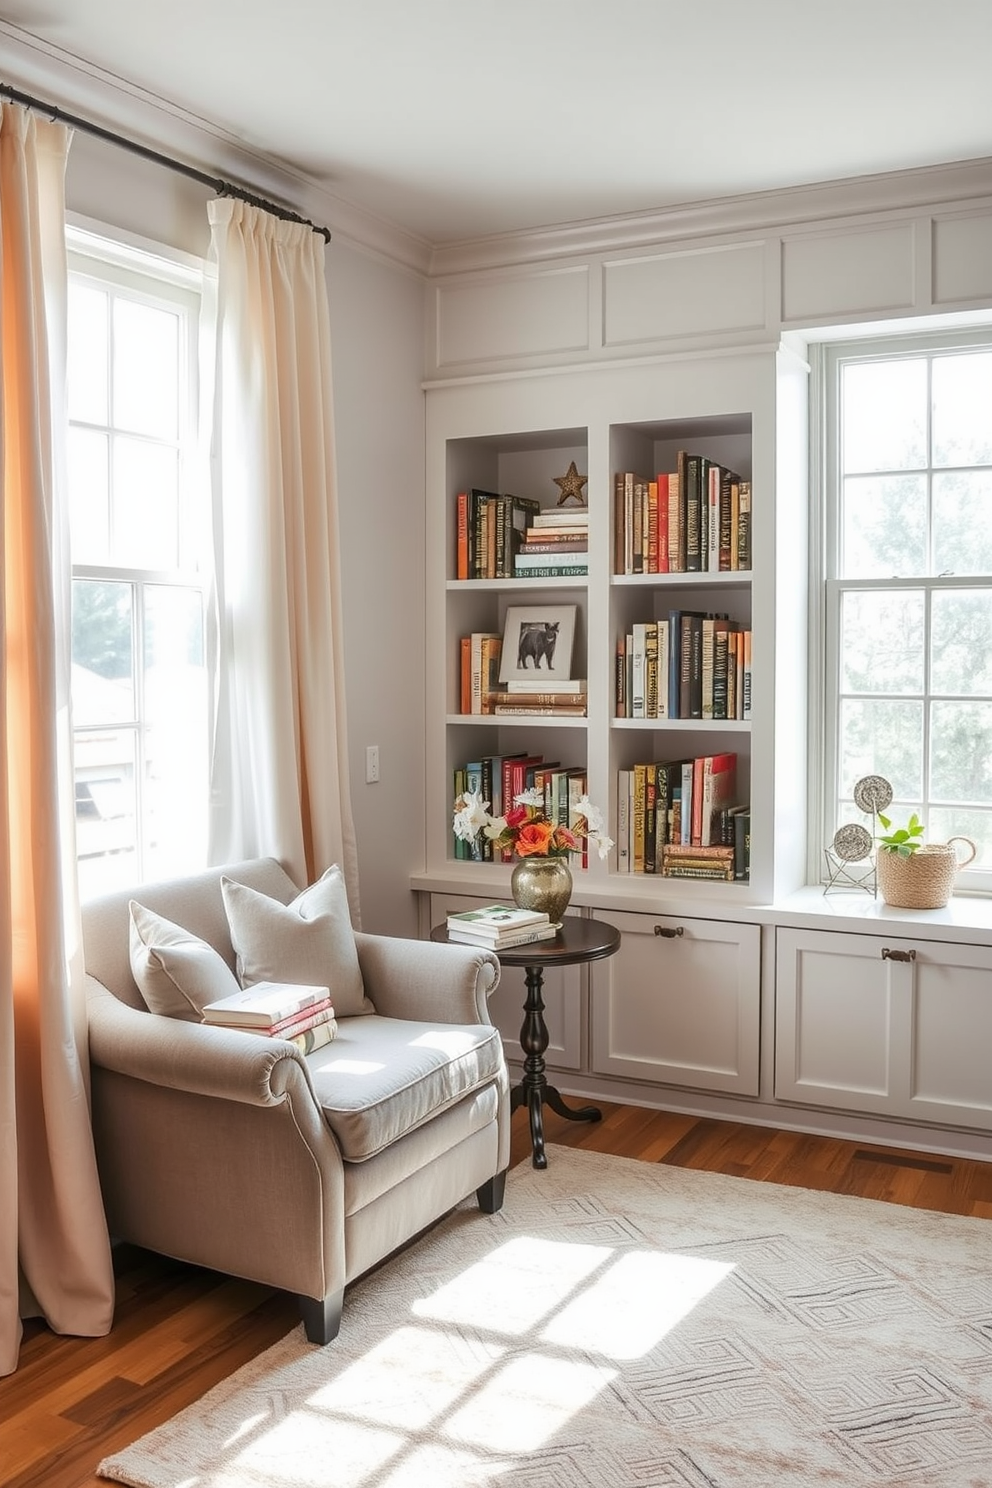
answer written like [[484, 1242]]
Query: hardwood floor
[[179, 1330]]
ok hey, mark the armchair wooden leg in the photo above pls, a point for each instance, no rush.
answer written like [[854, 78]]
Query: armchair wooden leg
[[490, 1195], [321, 1318]]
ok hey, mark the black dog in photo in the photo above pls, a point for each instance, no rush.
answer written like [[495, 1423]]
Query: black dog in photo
[[537, 642]]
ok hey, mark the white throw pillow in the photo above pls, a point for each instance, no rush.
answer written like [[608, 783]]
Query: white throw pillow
[[176, 972], [308, 941]]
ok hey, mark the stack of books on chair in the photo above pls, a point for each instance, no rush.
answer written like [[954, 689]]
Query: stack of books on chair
[[499, 926], [303, 1015]]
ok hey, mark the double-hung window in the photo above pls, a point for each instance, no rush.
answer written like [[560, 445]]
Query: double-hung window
[[908, 571], [138, 533]]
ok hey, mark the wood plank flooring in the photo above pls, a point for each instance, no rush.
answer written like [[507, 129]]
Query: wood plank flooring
[[179, 1330]]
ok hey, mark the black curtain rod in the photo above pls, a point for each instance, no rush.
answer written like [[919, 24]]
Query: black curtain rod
[[222, 188]]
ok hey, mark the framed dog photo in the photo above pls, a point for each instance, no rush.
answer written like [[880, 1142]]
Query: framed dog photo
[[537, 644]]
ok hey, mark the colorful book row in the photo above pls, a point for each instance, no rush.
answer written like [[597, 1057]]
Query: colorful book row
[[501, 778], [694, 519], [681, 819], [690, 665]]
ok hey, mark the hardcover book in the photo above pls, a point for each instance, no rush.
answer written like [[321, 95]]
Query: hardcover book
[[495, 920], [527, 936], [264, 1004]]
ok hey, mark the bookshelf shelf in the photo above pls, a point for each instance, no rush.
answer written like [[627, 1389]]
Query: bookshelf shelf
[[457, 720], [683, 725], [512, 586]]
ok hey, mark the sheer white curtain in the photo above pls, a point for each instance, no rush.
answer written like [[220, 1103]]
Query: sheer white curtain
[[279, 773], [54, 1249]]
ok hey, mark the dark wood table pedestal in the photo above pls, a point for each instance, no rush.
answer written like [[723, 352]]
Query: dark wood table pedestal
[[534, 1092], [578, 941]]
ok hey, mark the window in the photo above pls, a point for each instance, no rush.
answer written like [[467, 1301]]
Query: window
[[908, 563], [137, 530]]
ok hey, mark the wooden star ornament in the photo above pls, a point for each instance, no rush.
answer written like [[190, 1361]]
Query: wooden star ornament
[[571, 484]]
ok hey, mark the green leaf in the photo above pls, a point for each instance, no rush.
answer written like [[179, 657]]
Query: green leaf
[[886, 823]]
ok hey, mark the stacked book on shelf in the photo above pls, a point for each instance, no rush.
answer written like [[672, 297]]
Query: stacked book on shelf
[[555, 545], [499, 926], [489, 530], [681, 819], [501, 778], [690, 665], [303, 1015], [694, 519], [479, 658], [525, 699], [480, 691]]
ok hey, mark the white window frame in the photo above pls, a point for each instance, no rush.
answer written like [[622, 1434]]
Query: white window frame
[[158, 277], [827, 588]]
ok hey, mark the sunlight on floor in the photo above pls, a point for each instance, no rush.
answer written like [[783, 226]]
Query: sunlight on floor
[[515, 1286], [491, 1367], [624, 1313]]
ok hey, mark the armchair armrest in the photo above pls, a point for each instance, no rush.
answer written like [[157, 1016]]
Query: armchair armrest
[[191, 1056], [425, 980]]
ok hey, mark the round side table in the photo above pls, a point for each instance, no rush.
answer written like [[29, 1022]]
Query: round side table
[[578, 941]]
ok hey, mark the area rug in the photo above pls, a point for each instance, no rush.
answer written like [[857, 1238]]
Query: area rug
[[626, 1325]]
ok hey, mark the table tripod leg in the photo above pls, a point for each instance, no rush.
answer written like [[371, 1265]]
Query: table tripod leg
[[540, 1157], [553, 1098]]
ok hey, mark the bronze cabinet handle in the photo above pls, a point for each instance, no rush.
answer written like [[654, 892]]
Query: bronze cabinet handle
[[668, 931], [889, 955]]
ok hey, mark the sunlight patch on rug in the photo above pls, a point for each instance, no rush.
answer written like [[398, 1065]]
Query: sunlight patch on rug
[[621, 1323]]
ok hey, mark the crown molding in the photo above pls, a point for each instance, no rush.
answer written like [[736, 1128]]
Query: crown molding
[[35, 66], [793, 208]]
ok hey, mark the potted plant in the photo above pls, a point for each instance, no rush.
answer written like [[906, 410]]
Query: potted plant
[[913, 874]]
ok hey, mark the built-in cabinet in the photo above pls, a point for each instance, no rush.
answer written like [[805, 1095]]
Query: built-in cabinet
[[514, 436], [679, 1004], [896, 1027], [615, 354]]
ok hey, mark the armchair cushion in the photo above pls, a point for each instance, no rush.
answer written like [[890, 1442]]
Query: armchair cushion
[[176, 973], [309, 940], [383, 1077]]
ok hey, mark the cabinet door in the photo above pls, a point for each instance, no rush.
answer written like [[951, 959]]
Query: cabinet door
[[895, 1027], [562, 998], [834, 1020], [679, 1003]]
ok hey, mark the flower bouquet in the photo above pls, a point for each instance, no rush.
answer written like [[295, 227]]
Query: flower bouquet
[[526, 830]]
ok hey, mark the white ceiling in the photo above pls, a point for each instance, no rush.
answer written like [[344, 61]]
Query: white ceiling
[[458, 119]]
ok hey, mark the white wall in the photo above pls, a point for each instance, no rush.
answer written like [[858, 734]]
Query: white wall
[[377, 354], [377, 351]]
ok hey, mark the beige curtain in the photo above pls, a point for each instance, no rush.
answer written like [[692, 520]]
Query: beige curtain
[[279, 778], [54, 1250]]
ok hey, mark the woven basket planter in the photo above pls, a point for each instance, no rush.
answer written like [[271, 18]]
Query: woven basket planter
[[924, 879]]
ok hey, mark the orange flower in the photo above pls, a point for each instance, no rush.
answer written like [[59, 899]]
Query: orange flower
[[534, 839]]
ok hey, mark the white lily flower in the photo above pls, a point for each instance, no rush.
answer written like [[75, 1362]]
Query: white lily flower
[[532, 797], [592, 814], [603, 843], [471, 816]]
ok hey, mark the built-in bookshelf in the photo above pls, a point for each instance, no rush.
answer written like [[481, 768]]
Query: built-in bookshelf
[[715, 417]]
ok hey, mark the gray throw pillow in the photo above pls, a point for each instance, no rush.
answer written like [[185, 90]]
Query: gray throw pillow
[[308, 941], [176, 972]]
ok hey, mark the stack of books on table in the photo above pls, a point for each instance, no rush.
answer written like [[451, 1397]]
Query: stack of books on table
[[286, 1010], [555, 545], [499, 926]]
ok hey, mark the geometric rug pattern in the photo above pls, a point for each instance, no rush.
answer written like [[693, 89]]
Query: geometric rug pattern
[[622, 1324]]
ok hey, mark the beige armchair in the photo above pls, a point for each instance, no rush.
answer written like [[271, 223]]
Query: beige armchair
[[236, 1152]]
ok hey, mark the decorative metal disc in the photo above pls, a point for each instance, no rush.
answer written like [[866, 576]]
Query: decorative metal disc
[[852, 842], [872, 793]]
